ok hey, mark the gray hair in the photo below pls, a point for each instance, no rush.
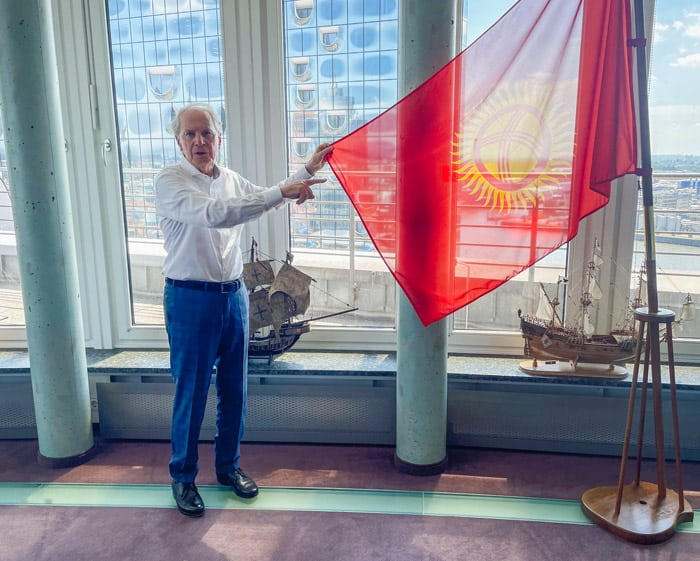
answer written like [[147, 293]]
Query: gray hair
[[174, 126]]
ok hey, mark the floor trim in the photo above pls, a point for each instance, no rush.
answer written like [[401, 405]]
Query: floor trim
[[368, 501]]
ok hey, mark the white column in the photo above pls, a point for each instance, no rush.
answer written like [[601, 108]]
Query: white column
[[29, 100], [427, 40]]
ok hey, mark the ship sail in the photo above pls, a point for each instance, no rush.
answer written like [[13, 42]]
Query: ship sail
[[257, 276], [687, 313], [641, 293], [545, 309], [597, 254], [594, 288], [688, 309], [275, 299], [289, 295], [258, 273]]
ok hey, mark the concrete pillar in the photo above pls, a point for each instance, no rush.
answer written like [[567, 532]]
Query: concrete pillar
[[29, 100], [427, 41]]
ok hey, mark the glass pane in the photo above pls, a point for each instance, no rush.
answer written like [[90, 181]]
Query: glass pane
[[674, 110], [164, 54], [340, 70], [498, 310], [11, 306]]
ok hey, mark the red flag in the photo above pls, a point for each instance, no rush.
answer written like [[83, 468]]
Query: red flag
[[490, 165]]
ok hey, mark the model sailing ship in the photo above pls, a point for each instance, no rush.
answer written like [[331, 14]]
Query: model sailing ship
[[278, 301], [576, 350]]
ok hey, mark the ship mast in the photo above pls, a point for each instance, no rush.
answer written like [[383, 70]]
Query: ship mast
[[590, 292], [553, 304]]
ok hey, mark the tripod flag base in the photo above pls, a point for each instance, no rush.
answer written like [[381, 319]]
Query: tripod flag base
[[643, 517]]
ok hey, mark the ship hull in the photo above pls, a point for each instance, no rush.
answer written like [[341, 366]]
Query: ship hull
[[545, 343], [270, 345]]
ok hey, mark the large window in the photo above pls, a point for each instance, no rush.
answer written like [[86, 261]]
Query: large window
[[11, 307], [341, 71], [323, 39], [164, 54], [310, 71], [675, 117]]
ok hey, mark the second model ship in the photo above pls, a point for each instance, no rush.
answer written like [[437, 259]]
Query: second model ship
[[575, 349]]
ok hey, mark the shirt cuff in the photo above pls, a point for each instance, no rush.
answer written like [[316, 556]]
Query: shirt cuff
[[273, 197], [302, 173]]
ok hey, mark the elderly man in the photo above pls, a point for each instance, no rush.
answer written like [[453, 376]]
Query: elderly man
[[202, 207]]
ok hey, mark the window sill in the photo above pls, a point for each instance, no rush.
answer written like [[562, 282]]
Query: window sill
[[344, 365]]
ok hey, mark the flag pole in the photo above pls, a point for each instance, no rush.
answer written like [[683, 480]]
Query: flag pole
[[644, 512]]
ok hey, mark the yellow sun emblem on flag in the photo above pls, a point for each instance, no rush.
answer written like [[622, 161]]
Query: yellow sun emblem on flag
[[515, 147]]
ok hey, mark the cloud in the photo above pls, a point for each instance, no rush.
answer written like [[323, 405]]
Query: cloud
[[674, 129], [692, 31], [659, 29], [692, 27], [689, 61]]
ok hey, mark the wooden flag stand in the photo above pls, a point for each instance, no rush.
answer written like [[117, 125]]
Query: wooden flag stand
[[643, 512]]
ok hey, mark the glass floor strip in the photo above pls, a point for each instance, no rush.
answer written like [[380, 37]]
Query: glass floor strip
[[368, 501]]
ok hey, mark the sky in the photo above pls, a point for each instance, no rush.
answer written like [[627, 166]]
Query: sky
[[674, 98], [674, 82]]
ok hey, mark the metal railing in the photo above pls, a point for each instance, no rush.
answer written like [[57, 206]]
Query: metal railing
[[140, 203], [331, 226]]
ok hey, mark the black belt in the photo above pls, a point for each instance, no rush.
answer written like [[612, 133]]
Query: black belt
[[221, 287]]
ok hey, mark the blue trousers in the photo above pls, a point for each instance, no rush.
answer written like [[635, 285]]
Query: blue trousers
[[206, 329]]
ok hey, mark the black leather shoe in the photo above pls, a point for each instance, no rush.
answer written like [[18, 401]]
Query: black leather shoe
[[188, 499], [242, 485]]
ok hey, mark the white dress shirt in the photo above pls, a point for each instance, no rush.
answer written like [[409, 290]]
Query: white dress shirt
[[202, 218]]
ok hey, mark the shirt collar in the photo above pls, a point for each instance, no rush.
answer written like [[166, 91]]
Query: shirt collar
[[187, 166]]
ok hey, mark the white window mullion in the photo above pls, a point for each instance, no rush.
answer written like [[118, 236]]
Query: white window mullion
[[253, 75], [96, 181], [75, 31], [113, 240]]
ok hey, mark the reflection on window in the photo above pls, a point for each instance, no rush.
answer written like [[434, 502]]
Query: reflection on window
[[164, 54], [340, 66], [341, 72]]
